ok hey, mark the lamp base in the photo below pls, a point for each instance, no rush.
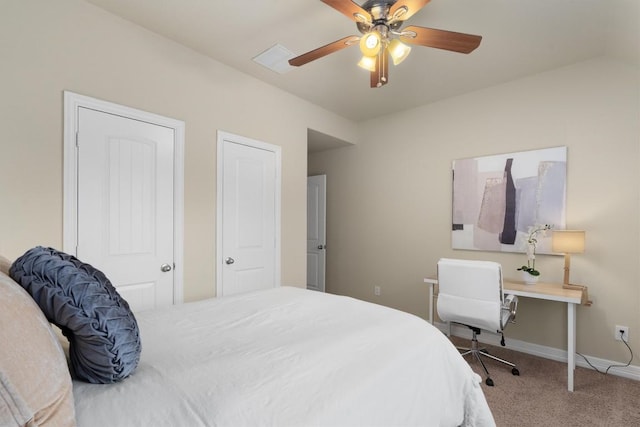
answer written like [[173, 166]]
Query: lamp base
[[585, 292]]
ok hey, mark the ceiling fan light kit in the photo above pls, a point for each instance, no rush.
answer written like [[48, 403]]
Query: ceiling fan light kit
[[380, 21]]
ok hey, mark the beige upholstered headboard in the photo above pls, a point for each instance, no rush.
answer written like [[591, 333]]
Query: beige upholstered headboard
[[5, 265], [35, 384]]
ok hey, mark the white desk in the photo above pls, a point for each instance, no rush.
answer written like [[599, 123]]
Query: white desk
[[544, 291]]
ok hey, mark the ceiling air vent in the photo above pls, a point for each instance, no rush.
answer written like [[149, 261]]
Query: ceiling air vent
[[276, 58]]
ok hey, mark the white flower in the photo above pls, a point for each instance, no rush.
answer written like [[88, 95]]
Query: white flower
[[532, 241]]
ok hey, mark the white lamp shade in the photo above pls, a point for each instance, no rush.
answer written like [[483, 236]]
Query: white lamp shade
[[398, 51], [568, 241], [370, 44], [368, 63]]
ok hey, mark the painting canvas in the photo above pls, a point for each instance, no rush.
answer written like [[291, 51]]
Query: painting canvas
[[498, 200]]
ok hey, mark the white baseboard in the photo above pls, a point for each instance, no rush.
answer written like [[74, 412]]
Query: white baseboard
[[631, 372]]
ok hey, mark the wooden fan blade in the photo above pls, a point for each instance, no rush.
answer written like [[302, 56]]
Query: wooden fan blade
[[323, 51], [380, 76], [348, 8], [412, 7], [441, 39]]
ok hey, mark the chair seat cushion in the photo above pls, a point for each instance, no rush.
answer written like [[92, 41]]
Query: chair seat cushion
[[104, 341]]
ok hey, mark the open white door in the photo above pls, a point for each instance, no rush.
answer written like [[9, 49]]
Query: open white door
[[316, 232], [248, 248]]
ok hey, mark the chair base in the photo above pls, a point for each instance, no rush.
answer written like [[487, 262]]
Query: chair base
[[476, 352]]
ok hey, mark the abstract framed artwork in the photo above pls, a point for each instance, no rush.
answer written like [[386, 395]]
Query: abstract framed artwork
[[498, 200]]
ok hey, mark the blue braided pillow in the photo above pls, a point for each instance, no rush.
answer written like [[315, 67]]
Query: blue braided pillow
[[104, 341]]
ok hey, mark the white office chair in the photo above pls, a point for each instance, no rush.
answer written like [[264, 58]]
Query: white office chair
[[470, 293]]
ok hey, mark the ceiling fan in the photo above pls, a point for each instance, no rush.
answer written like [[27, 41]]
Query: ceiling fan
[[380, 22]]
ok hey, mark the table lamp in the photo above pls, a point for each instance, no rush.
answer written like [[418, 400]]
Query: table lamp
[[567, 242]]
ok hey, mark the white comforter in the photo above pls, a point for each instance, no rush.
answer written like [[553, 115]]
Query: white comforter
[[288, 357]]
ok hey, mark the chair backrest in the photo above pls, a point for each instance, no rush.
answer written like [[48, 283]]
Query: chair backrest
[[470, 292]]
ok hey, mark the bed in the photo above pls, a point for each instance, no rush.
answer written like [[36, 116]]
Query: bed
[[282, 357]]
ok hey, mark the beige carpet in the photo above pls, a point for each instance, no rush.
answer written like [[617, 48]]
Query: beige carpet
[[539, 396]]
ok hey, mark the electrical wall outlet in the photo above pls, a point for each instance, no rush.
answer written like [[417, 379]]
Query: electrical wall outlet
[[619, 335], [376, 291]]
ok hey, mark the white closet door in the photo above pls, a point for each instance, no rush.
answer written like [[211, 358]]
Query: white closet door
[[125, 205], [248, 253]]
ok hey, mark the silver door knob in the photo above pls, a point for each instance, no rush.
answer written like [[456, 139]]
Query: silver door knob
[[321, 247], [165, 267], [229, 260]]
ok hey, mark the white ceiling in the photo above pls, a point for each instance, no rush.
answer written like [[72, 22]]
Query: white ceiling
[[520, 38]]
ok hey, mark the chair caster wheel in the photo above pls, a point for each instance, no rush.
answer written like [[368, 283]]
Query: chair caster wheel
[[515, 371], [489, 382]]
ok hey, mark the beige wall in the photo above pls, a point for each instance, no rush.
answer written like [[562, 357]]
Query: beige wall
[[47, 47], [389, 198]]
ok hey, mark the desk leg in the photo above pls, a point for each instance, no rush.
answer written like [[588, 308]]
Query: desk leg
[[571, 344]]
